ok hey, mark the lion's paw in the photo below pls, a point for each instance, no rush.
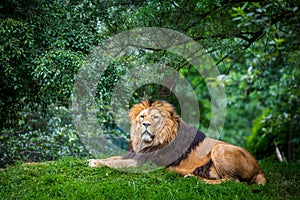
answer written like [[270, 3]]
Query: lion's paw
[[95, 163], [188, 175]]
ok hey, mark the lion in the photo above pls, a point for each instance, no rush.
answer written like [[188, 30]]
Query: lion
[[158, 135]]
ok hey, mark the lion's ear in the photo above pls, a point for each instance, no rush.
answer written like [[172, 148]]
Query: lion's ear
[[169, 108], [136, 109]]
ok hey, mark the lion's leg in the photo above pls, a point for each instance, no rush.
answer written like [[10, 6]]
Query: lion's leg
[[114, 162], [95, 163], [213, 174], [226, 159], [122, 163], [233, 162], [102, 162]]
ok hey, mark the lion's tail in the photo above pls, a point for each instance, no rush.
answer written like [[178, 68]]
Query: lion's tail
[[260, 179]]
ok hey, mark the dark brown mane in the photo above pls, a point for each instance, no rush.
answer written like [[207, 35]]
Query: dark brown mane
[[172, 154], [199, 137]]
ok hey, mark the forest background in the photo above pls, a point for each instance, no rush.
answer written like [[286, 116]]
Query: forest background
[[43, 44]]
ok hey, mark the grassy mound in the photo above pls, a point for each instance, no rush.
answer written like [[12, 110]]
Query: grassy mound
[[73, 179]]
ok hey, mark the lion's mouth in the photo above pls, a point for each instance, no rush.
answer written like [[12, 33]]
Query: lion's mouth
[[147, 137]]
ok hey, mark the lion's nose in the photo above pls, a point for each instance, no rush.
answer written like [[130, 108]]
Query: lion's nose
[[146, 124]]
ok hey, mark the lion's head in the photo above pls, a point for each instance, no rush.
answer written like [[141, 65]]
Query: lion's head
[[153, 124]]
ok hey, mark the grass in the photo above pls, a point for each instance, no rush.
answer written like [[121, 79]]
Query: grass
[[72, 179]]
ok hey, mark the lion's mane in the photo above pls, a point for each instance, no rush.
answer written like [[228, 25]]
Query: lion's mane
[[172, 144]]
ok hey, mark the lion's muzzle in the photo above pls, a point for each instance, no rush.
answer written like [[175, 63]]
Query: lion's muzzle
[[147, 137]]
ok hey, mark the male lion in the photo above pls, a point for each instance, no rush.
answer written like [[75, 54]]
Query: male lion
[[159, 136]]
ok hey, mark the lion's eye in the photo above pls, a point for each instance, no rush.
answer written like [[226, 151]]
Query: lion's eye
[[142, 116], [155, 117]]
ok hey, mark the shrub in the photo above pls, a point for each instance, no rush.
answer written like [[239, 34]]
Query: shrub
[[41, 136]]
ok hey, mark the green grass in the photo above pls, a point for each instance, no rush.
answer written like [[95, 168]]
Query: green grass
[[73, 179]]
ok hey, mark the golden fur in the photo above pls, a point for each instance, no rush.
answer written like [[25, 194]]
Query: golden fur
[[157, 133], [163, 124]]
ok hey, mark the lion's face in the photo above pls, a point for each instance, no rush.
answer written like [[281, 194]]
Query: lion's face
[[149, 123], [152, 124]]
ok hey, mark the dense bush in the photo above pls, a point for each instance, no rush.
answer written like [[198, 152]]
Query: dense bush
[[41, 136]]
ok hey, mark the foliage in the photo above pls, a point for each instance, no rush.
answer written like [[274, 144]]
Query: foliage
[[273, 77], [41, 136], [54, 73], [73, 179], [15, 54], [43, 44]]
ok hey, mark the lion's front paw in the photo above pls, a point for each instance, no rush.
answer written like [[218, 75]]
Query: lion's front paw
[[95, 163], [188, 175]]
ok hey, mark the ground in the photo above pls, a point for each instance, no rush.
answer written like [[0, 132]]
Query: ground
[[72, 179]]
